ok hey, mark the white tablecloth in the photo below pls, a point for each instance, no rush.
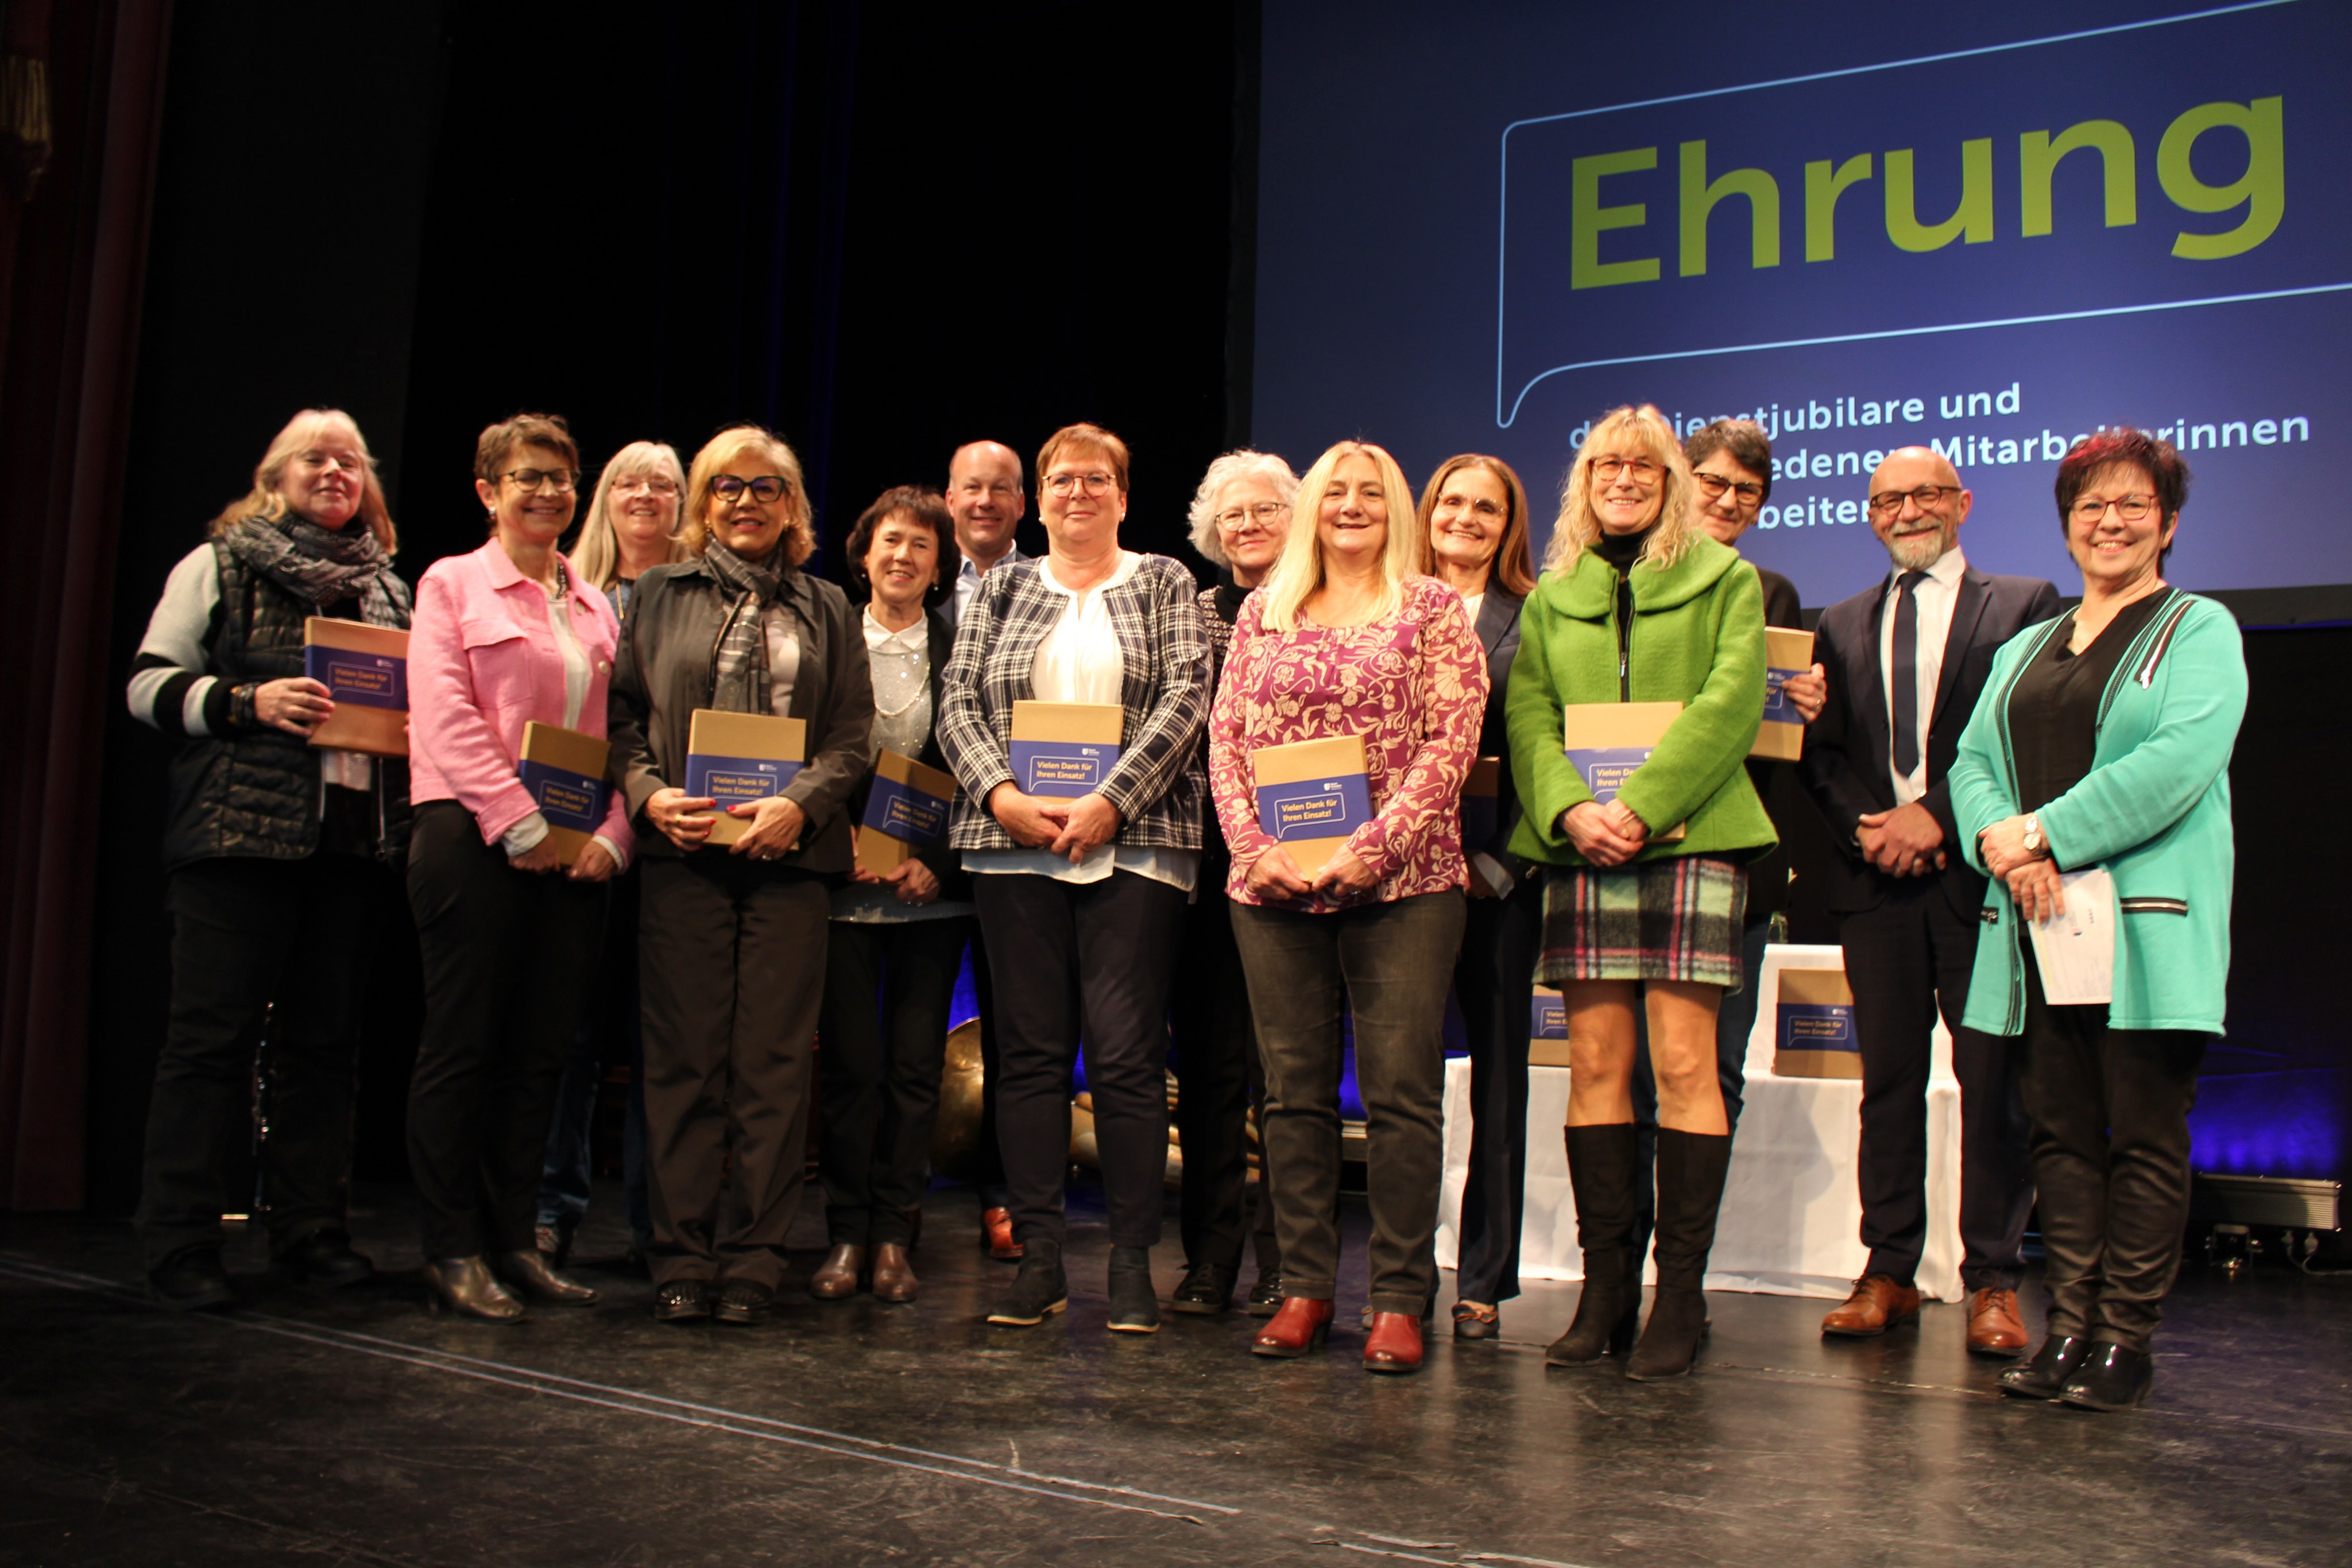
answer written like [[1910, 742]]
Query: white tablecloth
[[1792, 1214]]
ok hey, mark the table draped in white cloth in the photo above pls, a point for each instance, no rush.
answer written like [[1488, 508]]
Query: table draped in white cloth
[[1792, 1221]]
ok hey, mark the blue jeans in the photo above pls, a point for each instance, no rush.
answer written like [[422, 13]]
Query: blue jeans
[[564, 1183]]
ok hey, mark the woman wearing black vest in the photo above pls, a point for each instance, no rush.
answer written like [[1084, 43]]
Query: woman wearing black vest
[[267, 838], [899, 934]]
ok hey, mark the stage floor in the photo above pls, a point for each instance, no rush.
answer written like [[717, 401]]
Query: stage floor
[[355, 1428]]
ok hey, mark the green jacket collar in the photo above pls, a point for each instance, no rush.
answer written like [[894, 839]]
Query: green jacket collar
[[1592, 584]]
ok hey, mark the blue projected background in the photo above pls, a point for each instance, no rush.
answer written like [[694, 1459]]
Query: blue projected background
[[1990, 232]]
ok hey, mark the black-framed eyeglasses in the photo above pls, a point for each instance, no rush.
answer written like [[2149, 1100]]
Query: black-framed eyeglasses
[[562, 480], [1714, 485], [1886, 502], [1641, 470], [2129, 508], [766, 489]]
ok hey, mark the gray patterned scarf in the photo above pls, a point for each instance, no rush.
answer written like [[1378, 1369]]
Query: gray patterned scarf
[[322, 566], [742, 675]]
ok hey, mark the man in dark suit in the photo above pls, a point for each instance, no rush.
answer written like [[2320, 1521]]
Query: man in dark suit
[[1906, 660]]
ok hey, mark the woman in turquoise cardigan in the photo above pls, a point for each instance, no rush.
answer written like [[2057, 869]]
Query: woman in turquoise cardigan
[[1638, 604], [2102, 741]]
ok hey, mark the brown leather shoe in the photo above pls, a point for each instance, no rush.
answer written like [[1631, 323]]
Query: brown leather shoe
[[1878, 1305], [1394, 1344], [1298, 1328], [996, 1235], [836, 1277], [1994, 1327], [894, 1276]]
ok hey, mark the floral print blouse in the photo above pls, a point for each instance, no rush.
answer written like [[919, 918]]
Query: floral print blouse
[[1413, 686]]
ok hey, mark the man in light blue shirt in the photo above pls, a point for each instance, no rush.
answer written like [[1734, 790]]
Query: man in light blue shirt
[[985, 498]]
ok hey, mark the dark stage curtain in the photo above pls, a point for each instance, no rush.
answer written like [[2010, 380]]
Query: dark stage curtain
[[80, 100]]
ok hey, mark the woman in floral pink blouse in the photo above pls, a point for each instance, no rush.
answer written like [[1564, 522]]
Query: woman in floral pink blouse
[[1341, 641]]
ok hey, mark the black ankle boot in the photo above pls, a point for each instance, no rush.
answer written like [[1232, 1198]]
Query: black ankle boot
[[2112, 1377], [1601, 1173], [1038, 1290], [2046, 1373], [1690, 1191], [1134, 1305]]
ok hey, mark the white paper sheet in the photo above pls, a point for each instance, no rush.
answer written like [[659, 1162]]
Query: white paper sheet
[[2076, 949]]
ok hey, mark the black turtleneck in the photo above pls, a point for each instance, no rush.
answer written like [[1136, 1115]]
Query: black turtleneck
[[1620, 550]]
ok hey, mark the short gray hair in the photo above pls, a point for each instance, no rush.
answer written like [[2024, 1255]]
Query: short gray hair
[[1241, 465]]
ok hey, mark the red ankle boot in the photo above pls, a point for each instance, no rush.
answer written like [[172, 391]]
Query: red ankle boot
[[1394, 1344], [1296, 1329]]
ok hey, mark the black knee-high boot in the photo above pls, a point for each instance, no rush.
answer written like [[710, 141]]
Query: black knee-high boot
[[1690, 1191], [1601, 1173]]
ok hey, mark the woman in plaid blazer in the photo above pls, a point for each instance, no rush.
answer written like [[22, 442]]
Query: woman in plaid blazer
[[1083, 898]]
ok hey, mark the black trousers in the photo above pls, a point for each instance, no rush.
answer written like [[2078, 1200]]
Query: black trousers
[[1905, 959], [1220, 1077], [1494, 980], [510, 959], [2110, 1116], [988, 1158], [732, 957], [879, 1067], [1389, 965], [1082, 962], [248, 935]]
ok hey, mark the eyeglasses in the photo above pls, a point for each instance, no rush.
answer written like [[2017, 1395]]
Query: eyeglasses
[[1886, 502], [657, 485], [766, 489], [2129, 508], [1641, 470], [562, 480], [1714, 485], [1093, 484], [1258, 512]]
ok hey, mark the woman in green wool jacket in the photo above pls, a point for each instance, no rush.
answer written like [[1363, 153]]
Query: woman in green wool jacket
[[2103, 740], [1638, 604]]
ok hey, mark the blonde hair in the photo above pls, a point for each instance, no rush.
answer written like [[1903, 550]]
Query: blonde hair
[[1298, 571], [1514, 565], [1229, 469], [1577, 526], [596, 554], [799, 540], [264, 503]]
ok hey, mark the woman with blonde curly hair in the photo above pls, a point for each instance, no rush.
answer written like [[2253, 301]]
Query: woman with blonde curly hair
[[733, 945], [1639, 604], [270, 839]]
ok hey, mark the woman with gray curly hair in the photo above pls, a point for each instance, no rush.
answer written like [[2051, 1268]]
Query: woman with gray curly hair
[[1241, 514]]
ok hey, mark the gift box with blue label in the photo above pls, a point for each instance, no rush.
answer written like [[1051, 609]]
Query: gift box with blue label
[[1065, 750], [1312, 795], [366, 671], [1781, 737], [564, 771], [906, 810], [734, 757], [1607, 741], [1813, 1026]]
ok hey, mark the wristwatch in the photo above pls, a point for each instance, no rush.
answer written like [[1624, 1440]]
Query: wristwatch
[[2034, 842]]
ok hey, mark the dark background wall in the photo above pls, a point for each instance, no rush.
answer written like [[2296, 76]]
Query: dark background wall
[[882, 231]]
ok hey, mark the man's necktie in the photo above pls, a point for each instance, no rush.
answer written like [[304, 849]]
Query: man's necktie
[[1906, 675]]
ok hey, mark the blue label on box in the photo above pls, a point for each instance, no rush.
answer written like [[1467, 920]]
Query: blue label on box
[[1818, 1026], [371, 680], [732, 780], [1547, 1018], [1479, 821], [1605, 768], [1777, 708], [1313, 807], [567, 799], [1067, 767], [903, 812]]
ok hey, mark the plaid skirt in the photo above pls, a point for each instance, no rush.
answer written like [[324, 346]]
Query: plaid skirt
[[1662, 920]]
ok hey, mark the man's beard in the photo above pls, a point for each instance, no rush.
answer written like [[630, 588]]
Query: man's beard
[[1918, 552]]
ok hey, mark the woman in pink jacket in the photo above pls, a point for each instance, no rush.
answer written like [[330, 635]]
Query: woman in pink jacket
[[503, 637]]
